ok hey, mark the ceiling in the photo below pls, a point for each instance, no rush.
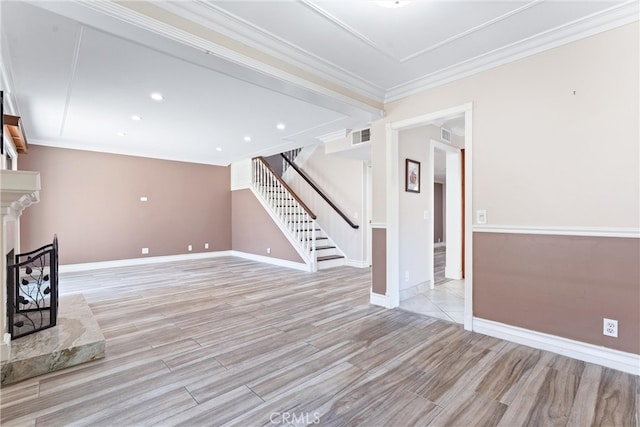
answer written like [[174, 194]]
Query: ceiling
[[231, 71]]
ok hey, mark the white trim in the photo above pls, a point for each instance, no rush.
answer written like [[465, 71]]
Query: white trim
[[296, 245], [611, 18], [439, 244], [71, 268], [615, 359], [157, 26], [378, 225], [356, 263], [377, 299], [274, 261], [633, 233]]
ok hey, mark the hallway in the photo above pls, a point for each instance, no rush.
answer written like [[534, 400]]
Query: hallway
[[445, 301]]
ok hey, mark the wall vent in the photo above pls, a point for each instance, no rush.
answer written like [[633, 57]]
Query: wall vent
[[445, 135], [360, 136]]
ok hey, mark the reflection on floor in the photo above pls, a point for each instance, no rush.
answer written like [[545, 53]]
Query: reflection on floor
[[445, 302]]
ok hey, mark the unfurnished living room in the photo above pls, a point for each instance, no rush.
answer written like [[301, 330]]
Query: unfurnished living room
[[318, 212]]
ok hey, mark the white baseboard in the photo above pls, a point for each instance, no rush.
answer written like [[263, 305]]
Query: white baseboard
[[414, 290], [357, 263], [274, 261], [69, 268], [439, 245], [615, 359], [377, 299]]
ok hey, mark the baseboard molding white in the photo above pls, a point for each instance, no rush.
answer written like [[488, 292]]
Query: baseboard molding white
[[560, 231], [615, 359], [378, 225], [274, 261], [439, 245], [377, 299], [357, 263], [69, 268]]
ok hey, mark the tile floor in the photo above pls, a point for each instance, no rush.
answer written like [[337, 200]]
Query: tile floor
[[445, 302]]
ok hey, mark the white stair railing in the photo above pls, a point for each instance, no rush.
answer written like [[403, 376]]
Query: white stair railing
[[294, 216]]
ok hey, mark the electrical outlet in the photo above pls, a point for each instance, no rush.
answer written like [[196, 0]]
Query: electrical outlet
[[268, 250], [189, 248], [610, 327], [406, 276], [145, 251], [206, 246]]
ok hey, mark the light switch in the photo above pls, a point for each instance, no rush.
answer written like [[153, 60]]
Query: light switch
[[426, 214], [481, 216]]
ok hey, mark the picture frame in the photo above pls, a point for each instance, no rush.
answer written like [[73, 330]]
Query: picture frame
[[412, 176]]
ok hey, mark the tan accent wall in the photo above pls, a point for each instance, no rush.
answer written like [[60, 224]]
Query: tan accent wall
[[254, 231], [438, 213], [92, 201], [560, 285], [379, 261]]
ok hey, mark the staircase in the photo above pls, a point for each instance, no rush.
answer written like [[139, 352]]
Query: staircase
[[294, 218]]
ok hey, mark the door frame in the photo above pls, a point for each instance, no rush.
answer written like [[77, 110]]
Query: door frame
[[394, 185]]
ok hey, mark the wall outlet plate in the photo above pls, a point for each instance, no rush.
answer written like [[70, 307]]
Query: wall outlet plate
[[610, 327], [145, 251], [481, 216]]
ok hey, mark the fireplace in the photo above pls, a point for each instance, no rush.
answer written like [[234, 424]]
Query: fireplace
[[32, 290]]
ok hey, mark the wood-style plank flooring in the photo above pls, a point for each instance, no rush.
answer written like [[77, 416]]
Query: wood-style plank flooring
[[226, 341]]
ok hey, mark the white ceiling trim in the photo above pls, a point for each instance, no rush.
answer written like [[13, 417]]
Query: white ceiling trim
[[150, 24], [355, 33], [471, 31], [607, 19], [234, 27], [334, 136], [7, 80], [72, 77]]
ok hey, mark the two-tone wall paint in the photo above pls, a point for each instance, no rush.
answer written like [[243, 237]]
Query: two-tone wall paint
[[92, 201], [555, 147]]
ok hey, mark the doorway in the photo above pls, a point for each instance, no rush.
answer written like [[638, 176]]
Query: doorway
[[394, 243]]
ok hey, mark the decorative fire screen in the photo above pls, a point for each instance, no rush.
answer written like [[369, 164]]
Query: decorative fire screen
[[32, 285]]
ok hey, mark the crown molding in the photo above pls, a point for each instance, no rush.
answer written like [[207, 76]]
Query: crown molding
[[605, 20], [232, 26], [127, 12]]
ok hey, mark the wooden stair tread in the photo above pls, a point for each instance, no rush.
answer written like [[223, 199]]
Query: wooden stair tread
[[329, 257], [319, 248]]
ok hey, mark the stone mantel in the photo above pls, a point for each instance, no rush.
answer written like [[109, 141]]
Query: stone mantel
[[19, 190]]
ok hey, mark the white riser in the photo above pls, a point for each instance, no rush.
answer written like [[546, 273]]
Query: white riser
[[322, 265], [325, 252]]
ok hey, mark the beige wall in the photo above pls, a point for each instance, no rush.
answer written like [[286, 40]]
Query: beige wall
[[379, 265], [92, 201], [254, 231], [543, 156], [414, 228]]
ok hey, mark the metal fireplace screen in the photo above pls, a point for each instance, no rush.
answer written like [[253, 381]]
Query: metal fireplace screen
[[32, 282]]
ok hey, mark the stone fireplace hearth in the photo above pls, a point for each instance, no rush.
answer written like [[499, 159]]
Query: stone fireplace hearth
[[76, 338]]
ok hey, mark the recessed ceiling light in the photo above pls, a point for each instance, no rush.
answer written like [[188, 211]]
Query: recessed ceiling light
[[392, 3], [247, 139], [157, 96], [219, 149], [136, 118], [120, 133], [280, 126]]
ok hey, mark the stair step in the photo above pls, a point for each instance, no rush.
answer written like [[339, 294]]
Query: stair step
[[317, 238], [320, 248], [329, 257]]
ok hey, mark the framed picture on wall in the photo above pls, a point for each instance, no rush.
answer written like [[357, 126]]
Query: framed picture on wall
[[412, 176]]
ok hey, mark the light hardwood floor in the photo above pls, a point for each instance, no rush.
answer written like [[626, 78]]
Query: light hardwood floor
[[227, 341]]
